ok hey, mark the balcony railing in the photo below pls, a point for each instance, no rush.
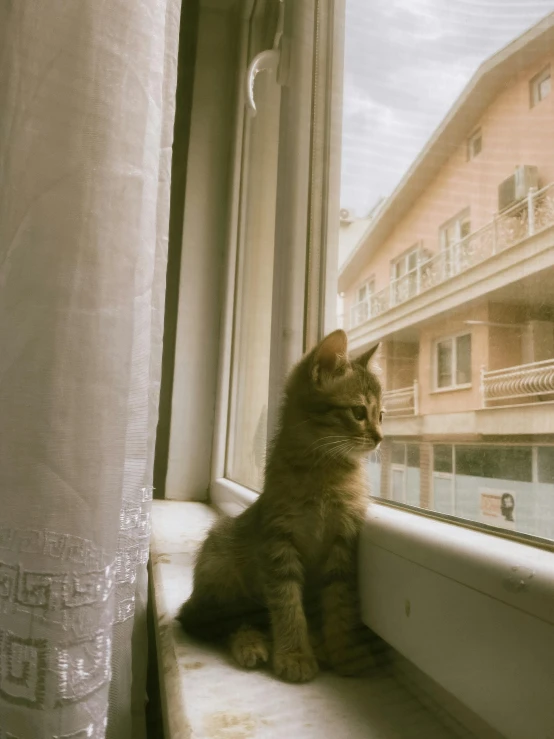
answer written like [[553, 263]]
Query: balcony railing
[[402, 402], [524, 384], [508, 228]]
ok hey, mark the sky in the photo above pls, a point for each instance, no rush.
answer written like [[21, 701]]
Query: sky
[[406, 62]]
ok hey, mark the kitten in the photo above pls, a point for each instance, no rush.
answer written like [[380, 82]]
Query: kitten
[[287, 566]]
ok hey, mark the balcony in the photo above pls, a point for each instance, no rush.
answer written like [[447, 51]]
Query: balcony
[[509, 228], [402, 402], [524, 384]]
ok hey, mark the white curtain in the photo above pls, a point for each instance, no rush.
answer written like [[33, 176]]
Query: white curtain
[[87, 93]]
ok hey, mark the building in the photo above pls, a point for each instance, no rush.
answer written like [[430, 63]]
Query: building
[[455, 278], [353, 229]]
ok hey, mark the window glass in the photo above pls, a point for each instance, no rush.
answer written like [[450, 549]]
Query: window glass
[[398, 455], [474, 145], [544, 87], [540, 86], [545, 464], [442, 458], [495, 462], [444, 363], [398, 482], [463, 359], [252, 329], [412, 455], [468, 311]]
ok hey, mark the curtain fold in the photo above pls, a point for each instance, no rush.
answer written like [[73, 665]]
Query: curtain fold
[[86, 123]]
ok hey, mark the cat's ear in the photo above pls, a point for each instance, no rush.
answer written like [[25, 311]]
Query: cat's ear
[[366, 357], [330, 356]]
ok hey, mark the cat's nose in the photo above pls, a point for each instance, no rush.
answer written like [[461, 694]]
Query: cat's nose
[[377, 437]]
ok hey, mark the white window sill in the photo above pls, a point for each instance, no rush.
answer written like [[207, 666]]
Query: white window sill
[[473, 610], [205, 695], [481, 610]]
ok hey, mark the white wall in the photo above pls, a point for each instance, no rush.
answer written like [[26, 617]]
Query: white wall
[[204, 241]]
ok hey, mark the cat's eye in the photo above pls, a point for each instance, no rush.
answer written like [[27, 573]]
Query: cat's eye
[[359, 412]]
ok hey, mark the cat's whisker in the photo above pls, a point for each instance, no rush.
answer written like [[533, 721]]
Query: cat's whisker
[[339, 437], [326, 445]]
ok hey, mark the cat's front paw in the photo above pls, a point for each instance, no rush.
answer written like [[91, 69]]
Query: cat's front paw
[[295, 667]]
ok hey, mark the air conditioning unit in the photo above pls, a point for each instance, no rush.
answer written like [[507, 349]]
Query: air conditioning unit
[[516, 187]]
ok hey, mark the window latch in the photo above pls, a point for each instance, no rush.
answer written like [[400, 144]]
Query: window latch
[[265, 60]]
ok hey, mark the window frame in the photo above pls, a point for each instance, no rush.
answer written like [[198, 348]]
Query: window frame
[[435, 357], [535, 86], [477, 134], [451, 252], [415, 249], [368, 283], [463, 216], [306, 232]]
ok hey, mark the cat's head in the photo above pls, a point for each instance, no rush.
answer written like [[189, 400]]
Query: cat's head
[[333, 404]]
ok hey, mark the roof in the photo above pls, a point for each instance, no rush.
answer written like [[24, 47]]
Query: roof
[[482, 89]]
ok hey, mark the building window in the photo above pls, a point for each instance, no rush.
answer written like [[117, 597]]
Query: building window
[[405, 474], [495, 462], [361, 310], [442, 459], [545, 464], [452, 244], [455, 230], [453, 362], [365, 291], [474, 144], [405, 263], [540, 86], [404, 278]]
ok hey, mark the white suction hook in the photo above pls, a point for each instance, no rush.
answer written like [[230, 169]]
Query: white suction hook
[[265, 60]]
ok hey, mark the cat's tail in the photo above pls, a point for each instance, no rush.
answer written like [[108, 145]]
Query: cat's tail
[[211, 621], [199, 621]]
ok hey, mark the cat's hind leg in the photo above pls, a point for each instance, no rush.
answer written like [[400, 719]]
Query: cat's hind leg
[[250, 647]]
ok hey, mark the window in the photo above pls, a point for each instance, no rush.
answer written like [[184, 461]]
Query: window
[[404, 277], [361, 310], [474, 144], [405, 263], [540, 86], [454, 249], [405, 474], [366, 290], [495, 462], [453, 362], [442, 458], [284, 279], [470, 454], [545, 460], [455, 230]]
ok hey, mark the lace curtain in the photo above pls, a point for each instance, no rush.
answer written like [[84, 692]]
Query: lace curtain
[[86, 122]]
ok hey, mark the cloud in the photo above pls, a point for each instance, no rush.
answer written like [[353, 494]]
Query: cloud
[[406, 62]]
